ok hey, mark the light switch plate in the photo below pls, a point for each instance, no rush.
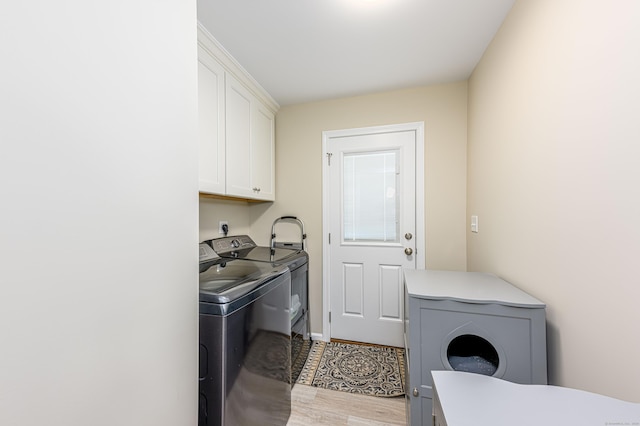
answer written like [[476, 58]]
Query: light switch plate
[[474, 223]]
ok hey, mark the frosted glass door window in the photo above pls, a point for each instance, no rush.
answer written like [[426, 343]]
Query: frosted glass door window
[[370, 197]]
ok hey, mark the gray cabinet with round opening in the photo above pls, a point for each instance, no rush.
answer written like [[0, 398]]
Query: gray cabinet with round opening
[[469, 321]]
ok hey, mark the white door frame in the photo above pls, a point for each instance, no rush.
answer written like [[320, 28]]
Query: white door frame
[[418, 127]]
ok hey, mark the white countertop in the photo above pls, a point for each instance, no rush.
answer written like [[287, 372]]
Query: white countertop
[[469, 287], [469, 399]]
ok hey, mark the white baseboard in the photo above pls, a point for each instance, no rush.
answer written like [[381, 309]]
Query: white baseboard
[[318, 336]]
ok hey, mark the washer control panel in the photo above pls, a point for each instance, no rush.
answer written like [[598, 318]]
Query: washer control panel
[[230, 244], [206, 253]]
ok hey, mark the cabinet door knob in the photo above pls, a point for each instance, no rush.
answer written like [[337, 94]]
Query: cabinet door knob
[[415, 392]]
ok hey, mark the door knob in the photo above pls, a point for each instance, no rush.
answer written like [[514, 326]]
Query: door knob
[[408, 236], [408, 251]]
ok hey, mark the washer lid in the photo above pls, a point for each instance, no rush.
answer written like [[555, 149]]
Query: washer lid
[[223, 282], [265, 254]]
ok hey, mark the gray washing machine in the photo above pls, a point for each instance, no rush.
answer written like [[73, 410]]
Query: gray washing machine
[[245, 342], [296, 260]]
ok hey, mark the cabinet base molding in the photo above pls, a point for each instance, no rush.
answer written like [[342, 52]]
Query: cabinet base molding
[[230, 198]]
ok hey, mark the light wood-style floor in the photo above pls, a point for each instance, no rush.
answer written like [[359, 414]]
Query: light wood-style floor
[[317, 406]]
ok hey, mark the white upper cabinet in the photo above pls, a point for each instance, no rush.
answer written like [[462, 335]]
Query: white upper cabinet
[[263, 152], [238, 139], [250, 144], [211, 124], [237, 127]]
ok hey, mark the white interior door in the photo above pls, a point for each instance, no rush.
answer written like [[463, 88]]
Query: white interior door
[[370, 215]]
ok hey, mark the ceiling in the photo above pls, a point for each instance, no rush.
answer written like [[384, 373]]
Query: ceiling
[[309, 50]]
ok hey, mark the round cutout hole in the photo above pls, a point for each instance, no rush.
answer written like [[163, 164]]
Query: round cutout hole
[[472, 354]]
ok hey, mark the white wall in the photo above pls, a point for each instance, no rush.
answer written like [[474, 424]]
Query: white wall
[[212, 211], [98, 182], [553, 176]]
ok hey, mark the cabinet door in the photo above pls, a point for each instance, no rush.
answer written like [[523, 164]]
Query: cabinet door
[[262, 152], [238, 127], [211, 125]]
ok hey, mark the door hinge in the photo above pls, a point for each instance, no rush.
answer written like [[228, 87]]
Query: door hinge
[[329, 316], [329, 237], [329, 155]]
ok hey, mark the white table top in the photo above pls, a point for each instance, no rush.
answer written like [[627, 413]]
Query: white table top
[[469, 399], [470, 287]]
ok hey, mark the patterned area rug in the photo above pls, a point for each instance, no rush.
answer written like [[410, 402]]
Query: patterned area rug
[[299, 352], [363, 369]]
